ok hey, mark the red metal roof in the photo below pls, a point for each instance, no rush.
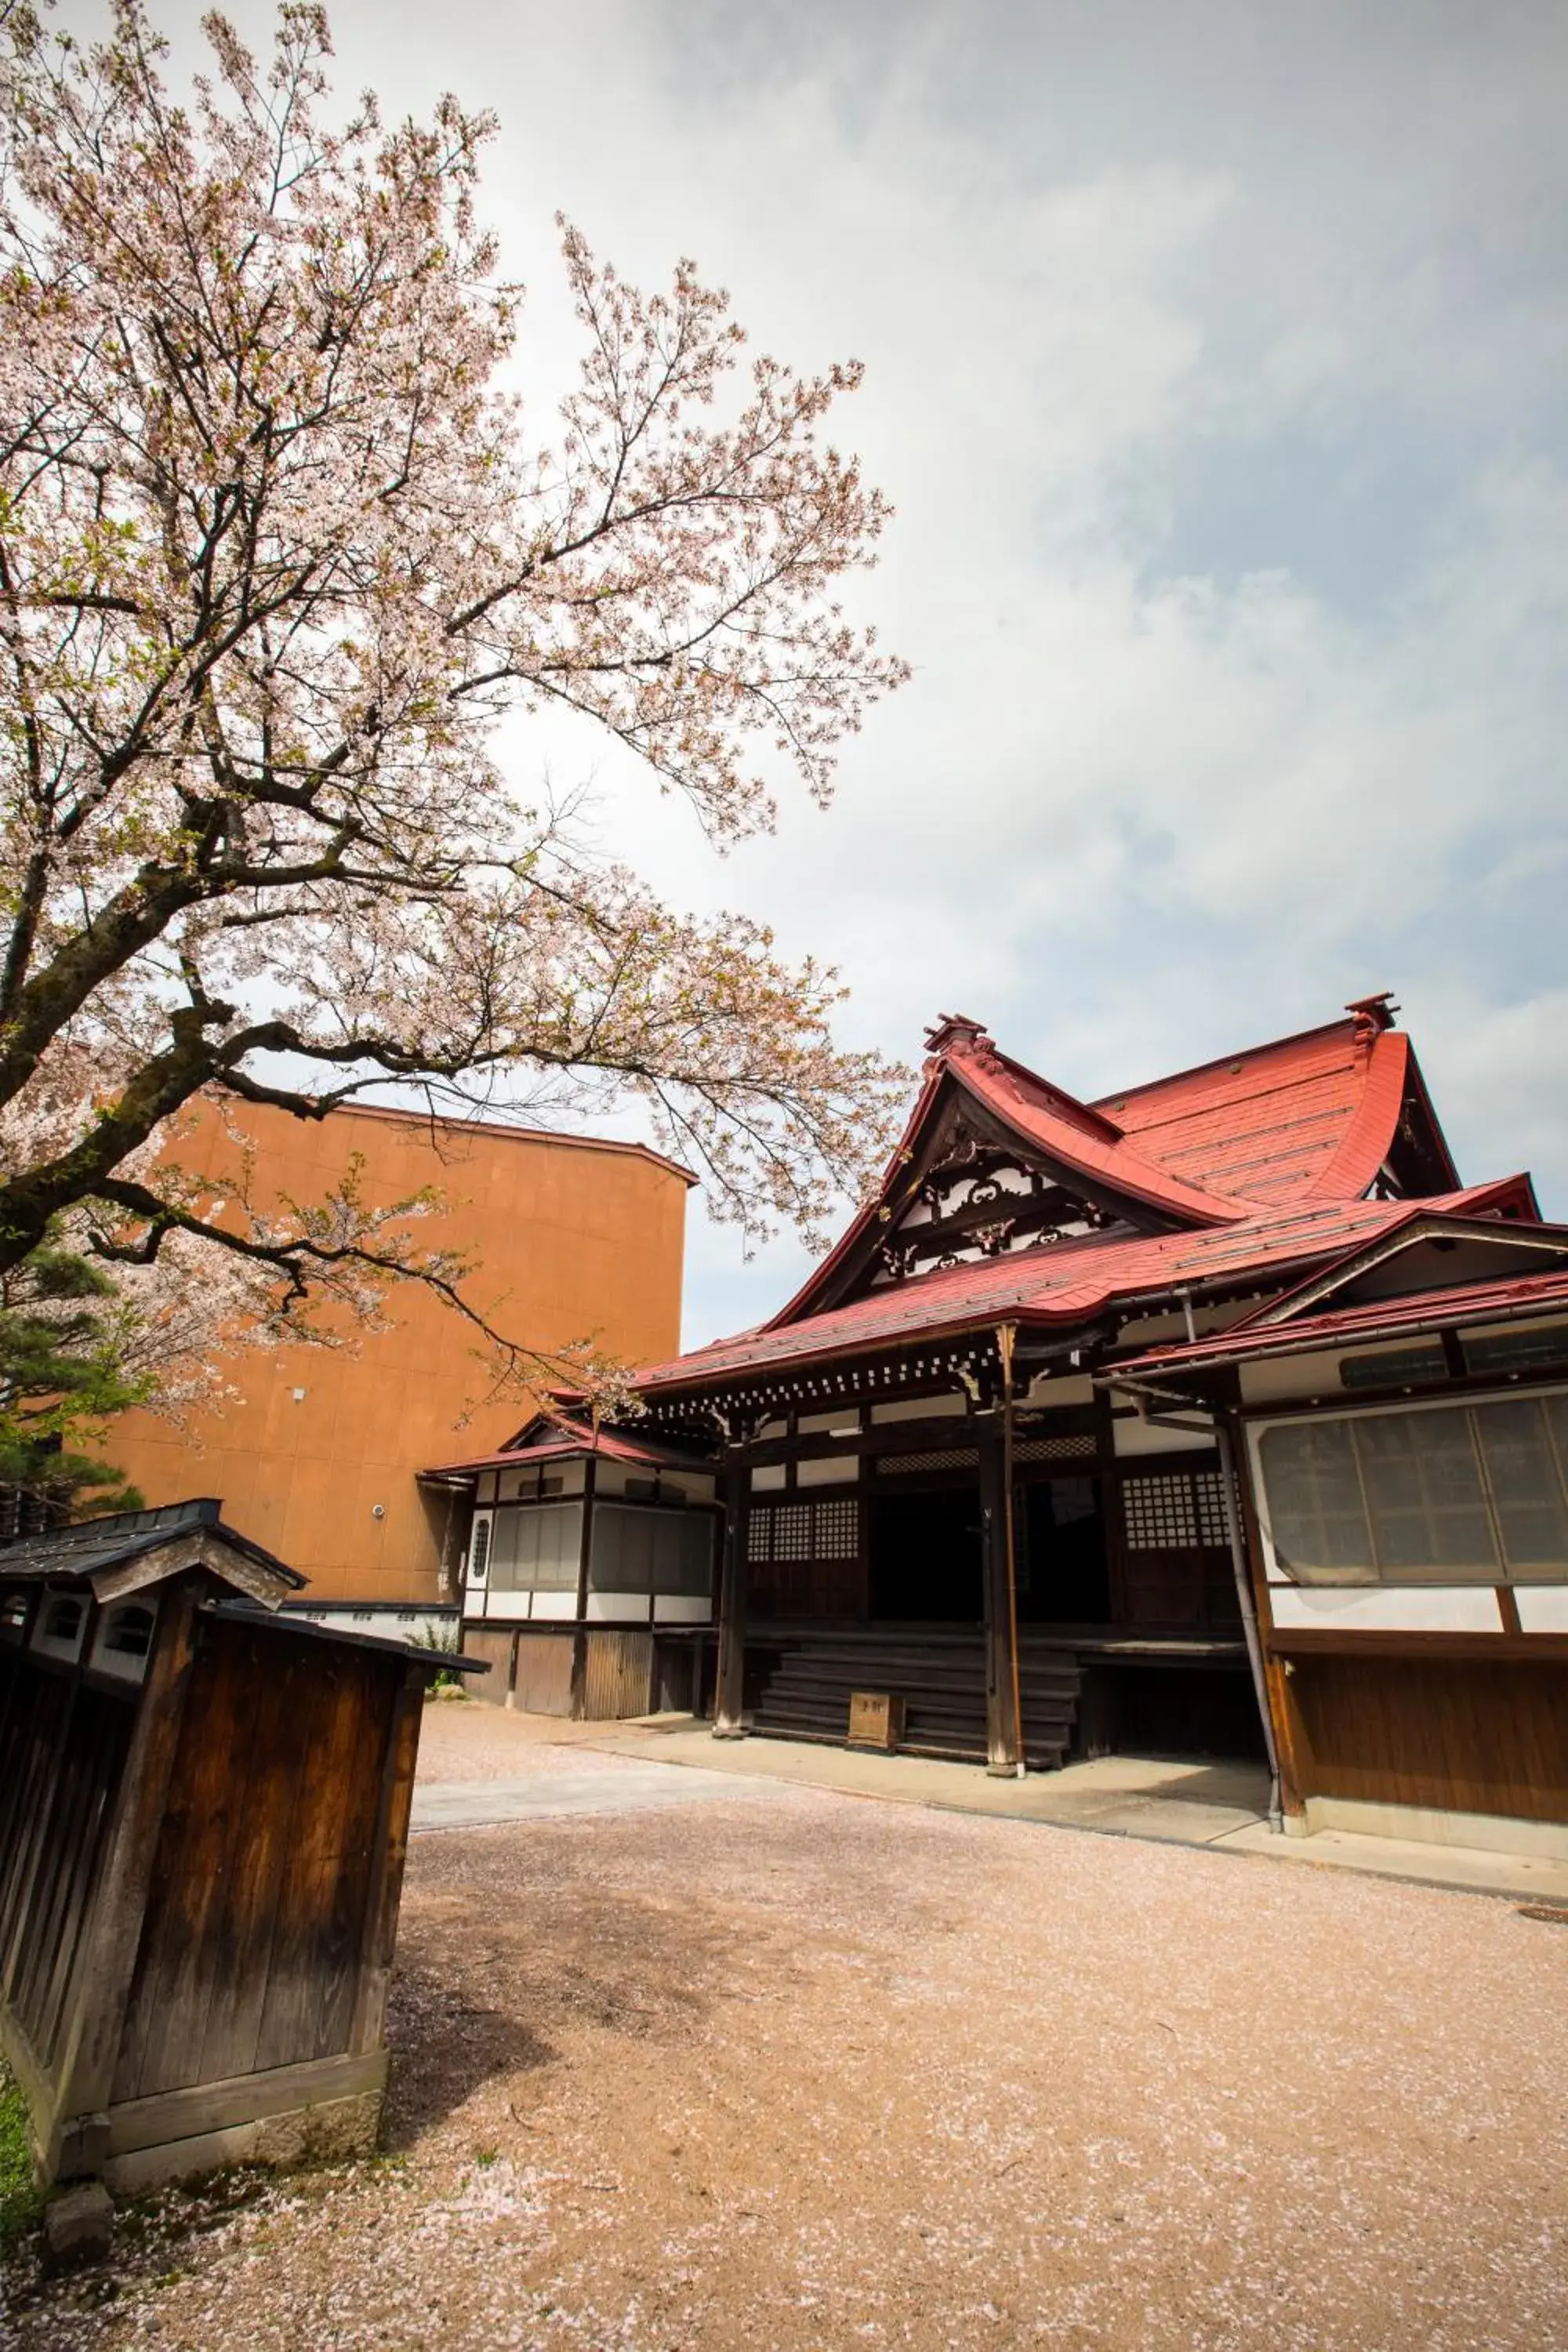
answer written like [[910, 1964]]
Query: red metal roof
[[570, 1441], [1064, 1283], [1428, 1310], [1304, 1120], [1308, 1118], [1260, 1161]]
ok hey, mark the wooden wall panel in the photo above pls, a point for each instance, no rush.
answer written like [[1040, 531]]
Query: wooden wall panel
[[62, 1756], [1474, 1737], [497, 1644], [250, 1946], [545, 1674]]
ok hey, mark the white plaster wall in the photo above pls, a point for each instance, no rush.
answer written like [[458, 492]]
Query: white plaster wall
[[505, 1608], [1060, 1389], [828, 1470], [1291, 1376], [1386, 1608], [1543, 1608], [1133, 1435], [616, 1608], [681, 1608], [920, 1408], [693, 1485]]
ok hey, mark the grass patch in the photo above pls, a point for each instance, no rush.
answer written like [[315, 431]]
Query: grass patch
[[21, 2200]]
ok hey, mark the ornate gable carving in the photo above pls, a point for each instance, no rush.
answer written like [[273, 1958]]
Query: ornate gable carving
[[978, 1198]]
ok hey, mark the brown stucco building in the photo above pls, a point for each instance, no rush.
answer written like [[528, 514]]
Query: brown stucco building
[[570, 1237]]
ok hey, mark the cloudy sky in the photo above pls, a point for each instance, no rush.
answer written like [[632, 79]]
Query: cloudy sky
[[1215, 364]]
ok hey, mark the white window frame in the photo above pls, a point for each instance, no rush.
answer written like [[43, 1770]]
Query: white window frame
[[479, 1582], [1280, 1571], [65, 1649], [126, 1665]]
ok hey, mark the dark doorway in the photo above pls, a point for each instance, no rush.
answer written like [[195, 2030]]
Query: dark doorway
[[925, 1557], [1174, 1710], [1064, 1577]]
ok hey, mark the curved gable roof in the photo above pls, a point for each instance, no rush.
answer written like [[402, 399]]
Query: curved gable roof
[[1046, 1123], [1309, 1117], [1256, 1165]]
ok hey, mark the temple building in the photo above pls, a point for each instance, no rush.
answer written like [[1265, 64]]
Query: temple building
[[1213, 1417]]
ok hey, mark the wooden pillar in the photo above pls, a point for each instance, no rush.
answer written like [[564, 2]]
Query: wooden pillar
[[578, 1701], [729, 1693], [379, 1932], [78, 2142], [997, 1576]]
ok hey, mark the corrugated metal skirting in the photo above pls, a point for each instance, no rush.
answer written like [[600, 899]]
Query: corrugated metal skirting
[[619, 1676]]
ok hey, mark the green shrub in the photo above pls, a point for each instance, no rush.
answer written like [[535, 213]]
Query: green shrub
[[20, 2198]]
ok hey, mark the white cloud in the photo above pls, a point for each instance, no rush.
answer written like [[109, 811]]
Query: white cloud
[[1214, 365]]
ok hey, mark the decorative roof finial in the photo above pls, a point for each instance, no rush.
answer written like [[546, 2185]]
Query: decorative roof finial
[[956, 1029], [1373, 1014]]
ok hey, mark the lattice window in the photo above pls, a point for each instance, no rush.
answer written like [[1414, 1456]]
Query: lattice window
[[792, 1531], [1162, 1514], [1054, 1449], [1183, 1511], [804, 1531], [836, 1534], [1211, 1527], [950, 1458]]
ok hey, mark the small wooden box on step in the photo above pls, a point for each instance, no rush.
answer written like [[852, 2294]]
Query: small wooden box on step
[[876, 1719], [204, 1811]]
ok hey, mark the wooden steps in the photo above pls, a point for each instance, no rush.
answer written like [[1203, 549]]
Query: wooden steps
[[801, 1686]]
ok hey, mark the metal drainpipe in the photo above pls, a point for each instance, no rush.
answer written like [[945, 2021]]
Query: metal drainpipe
[[1228, 1466]]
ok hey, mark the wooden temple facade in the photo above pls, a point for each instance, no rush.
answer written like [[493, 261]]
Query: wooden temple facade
[[1213, 1417], [1011, 1454]]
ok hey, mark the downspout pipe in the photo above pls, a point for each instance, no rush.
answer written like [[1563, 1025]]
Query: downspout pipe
[[1230, 1492], [1142, 1393]]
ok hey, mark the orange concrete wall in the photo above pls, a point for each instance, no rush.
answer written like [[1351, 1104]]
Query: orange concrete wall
[[570, 1240]]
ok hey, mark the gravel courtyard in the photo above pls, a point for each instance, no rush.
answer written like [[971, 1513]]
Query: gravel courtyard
[[780, 2067]]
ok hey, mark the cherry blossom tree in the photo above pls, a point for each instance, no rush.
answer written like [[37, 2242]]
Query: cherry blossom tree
[[278, 553]]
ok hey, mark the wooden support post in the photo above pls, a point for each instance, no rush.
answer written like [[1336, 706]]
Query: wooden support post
[[379, 1933], [1290, 1741], [728, 1694], [89, 2034], [579, 1698], [1001, 1638]]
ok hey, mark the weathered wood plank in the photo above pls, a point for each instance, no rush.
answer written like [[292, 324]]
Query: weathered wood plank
[[346, 1896], [396, 1801], [166, 2017], [51, 1725], [100, 1736], [320, 1907], [241, 2098], [241, 1934], [90, 2033]]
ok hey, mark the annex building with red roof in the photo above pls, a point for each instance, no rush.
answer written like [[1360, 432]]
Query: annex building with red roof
[[1213, 1416]]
